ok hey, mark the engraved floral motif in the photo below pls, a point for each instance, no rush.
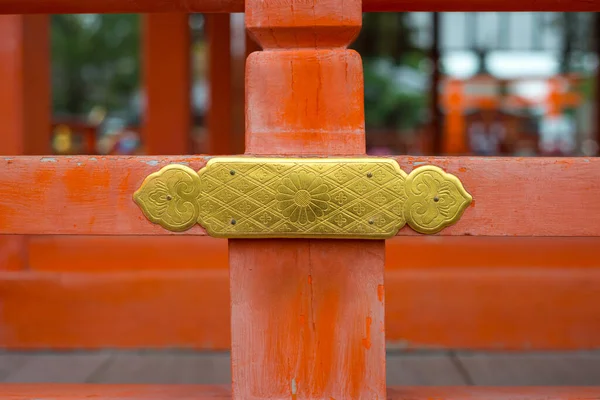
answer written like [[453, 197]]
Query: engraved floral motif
[[302, 197], [170, 197], [435, 199]]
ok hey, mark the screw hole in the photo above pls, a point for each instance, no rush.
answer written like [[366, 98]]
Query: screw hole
[[233, 222]]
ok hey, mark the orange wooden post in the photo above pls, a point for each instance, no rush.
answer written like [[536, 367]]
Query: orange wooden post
[[24, 103], [455, 136], [558, 99], [25, 109], [307, 315], [167, 88], [219, 126]]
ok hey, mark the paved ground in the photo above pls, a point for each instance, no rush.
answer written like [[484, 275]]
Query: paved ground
[[417, 368]]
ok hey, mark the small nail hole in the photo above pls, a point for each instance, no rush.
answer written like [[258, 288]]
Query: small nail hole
[[369, 174], [169, 197], [233, 222], [371, 222], [436, 199], [232, 172]]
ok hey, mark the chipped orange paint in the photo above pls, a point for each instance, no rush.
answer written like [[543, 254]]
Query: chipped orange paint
[[380, 292], [304, 96], [502, 204], [367, 339]]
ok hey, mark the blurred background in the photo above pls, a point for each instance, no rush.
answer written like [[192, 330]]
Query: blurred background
[[435, 83], [459, 310]]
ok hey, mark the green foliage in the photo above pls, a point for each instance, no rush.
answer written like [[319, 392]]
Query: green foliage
[[388, 38], [95, 61], [387, 106]]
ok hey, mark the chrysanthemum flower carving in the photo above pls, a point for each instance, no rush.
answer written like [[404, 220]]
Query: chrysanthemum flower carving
[[303, 197]]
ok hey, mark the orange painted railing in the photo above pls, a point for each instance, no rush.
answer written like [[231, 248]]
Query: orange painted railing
[[442, 292]]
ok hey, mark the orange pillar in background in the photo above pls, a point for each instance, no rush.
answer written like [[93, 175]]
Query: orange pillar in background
[[559, 98], [218, 122], [25, 103], [455, 137], [25, 109], [166, 64]]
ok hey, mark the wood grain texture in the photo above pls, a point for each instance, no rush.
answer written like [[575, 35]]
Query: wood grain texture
[[79, 195], [93, 195], [307, 318], [292, 112], [231, 6], [200, 392]]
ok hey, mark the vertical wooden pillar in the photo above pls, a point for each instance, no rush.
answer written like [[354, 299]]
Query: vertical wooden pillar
[[167, 84], [25, 109], [25, 103], [307, 315], [219, 124], [436, 120]]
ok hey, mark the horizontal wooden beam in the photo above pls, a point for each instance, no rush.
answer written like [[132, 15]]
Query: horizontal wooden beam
[[93, 195], [482, 308], [233, 6], [91, 285], [200, 392]]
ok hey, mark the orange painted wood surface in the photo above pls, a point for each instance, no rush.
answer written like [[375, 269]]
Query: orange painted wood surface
[[512, 196], [306, 315], [24, 103], [206, 392], [230, 6], [25, 82], [307, 319], [315, 124], [167, 81], [134, 253], [481, 280], [108, 254], [128, 309], [543, 301], [114, 392]]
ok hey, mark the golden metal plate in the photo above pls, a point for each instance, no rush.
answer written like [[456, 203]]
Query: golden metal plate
[[247, 197]]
